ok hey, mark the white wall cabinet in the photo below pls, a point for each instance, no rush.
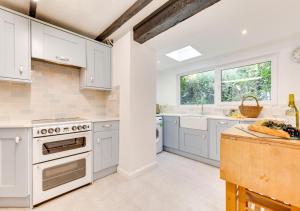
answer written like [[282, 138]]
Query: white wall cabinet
[[14, 47], [14, 163], [57, 46], [97, 74]]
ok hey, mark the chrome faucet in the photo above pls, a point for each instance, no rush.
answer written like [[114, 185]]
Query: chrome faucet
[[202, 109]]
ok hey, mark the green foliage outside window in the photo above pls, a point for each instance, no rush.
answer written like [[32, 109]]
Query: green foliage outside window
[[247, 80], [197, 88]]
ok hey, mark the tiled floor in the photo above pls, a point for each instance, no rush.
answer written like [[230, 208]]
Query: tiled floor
[[177, 184]]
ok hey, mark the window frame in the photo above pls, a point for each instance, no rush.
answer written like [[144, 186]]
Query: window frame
[[273, 58]]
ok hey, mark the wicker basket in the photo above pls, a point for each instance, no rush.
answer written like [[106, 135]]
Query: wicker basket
[[250, 111]]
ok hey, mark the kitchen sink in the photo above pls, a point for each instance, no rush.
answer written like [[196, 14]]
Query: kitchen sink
[[194, 122]]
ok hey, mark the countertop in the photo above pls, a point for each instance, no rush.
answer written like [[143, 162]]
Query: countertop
[[28, 123], [210, 116], [16, 124], [105, 119], [236, 133]]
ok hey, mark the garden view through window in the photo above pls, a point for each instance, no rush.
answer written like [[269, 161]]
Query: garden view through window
[[253, 80], [197, 88]]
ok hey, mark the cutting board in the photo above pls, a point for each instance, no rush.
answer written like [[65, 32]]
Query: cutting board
[[245, 129]]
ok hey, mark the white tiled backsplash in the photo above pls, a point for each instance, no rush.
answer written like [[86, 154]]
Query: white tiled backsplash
[[55, 93]]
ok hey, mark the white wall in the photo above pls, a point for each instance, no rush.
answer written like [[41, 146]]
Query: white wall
[[134, 71], [288, 71]]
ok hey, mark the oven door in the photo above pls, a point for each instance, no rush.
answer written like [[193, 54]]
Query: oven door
[[59, 176], [53, 147]]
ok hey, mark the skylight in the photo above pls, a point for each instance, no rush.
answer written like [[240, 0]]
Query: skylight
[[183, 54]]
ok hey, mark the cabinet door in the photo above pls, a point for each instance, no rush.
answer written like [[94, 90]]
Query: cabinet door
[[98, 65], [14, 47], [106, 150], [171, 132], [193, 141], [14, 162], [57, 46], [216, 127]]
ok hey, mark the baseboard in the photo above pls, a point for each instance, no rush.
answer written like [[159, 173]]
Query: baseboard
[[105, 172], [193, 157], [8, 202], [137, 172]]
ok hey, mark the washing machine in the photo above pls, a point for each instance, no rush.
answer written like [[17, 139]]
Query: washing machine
[[159, 134]]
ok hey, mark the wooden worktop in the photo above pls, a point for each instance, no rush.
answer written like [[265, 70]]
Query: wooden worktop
[[234, 132], [265, 165]]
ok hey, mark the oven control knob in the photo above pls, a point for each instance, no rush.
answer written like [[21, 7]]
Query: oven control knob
[[43, 131], [57, 130], [84, 127], [74, 128], [50, 130]]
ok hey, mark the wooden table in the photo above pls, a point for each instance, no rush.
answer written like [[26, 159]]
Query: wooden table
[[260, 172]]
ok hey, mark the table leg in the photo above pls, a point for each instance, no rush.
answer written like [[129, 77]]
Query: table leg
[[231, 197], [242, 199]]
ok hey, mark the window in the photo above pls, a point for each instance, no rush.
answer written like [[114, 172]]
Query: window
[[226, 84], [253, 80], [197, 88]]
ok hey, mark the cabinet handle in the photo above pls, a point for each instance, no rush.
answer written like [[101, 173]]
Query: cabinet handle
[[18, 139], [175, 122], [98, 140], [223, 123], [107, 126], [61, 58], [92, 79], [21, 69]]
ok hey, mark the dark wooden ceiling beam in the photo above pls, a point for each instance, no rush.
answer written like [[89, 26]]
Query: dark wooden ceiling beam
[[32, 8], [129, 13], [167, 16]]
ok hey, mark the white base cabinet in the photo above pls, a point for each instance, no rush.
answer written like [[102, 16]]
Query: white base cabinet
[[14, 163], [171, 131], [194, 142], [216, 127], [106, 146], [15, 63]]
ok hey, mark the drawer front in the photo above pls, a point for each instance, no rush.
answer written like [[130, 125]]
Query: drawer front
[[106, 126], [226, 123]]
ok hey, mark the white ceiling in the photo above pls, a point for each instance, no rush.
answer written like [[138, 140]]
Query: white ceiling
[[217, 30], [213, 32], [89, 17], [17, 5], [86, 17]]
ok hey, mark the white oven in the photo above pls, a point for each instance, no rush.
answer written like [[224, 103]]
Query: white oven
[[59, 176], [62, 157], [58, 146]]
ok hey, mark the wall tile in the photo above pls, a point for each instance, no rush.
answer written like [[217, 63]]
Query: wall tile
[[54, 93]]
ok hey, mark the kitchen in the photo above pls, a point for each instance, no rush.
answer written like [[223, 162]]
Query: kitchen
[[78, 95]]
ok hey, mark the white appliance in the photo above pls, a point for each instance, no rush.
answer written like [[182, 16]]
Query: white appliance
[[159, 134], [62, 157]]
